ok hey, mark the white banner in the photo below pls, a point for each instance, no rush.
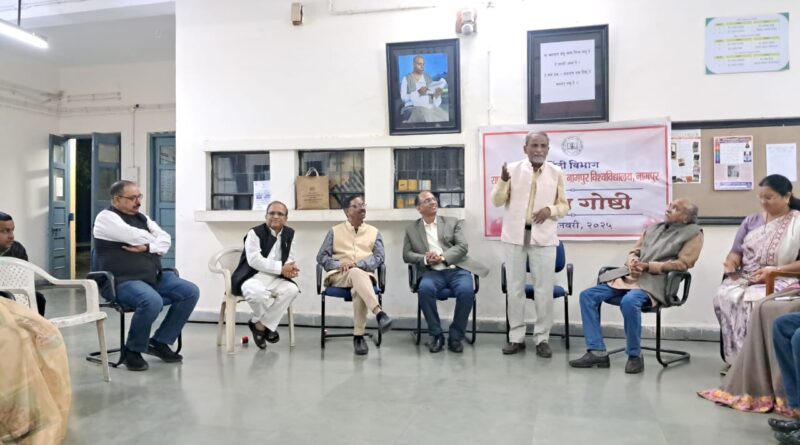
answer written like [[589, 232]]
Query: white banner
[[617, 175]]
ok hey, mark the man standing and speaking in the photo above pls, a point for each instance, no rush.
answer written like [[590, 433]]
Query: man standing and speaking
[[532, 191]]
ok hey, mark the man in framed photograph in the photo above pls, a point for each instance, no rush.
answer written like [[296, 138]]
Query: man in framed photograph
[[422, 96]]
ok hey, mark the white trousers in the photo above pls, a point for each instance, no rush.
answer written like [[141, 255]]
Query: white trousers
[[542, 261], [269, 296]]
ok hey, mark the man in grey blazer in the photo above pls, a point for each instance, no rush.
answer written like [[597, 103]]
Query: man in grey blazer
[[437, 246]]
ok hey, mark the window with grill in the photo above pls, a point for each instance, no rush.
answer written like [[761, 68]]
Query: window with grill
[[344, 169], [440, 170], [232, 176]]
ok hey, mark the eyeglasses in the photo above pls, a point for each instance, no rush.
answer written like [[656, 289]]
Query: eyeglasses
[[281, 214], [132, 198], [363, 205], [428, 201]]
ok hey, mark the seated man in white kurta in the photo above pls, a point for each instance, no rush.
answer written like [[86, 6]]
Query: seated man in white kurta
[[265, 273]]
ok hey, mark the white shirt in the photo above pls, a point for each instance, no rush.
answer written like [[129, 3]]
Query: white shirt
[[432, 235], [109, 226], [272, 263], [427, 100]]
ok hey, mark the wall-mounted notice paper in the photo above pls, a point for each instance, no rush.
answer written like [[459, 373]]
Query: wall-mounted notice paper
[[262, 195], [733, 163], [568, 71], [747, 44], [782, 160], [685, 149]]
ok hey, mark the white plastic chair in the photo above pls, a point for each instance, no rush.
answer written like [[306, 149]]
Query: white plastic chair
[[18, 277], [225, 262]]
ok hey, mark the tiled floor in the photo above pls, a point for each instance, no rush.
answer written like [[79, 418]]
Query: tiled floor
[[398, 394]]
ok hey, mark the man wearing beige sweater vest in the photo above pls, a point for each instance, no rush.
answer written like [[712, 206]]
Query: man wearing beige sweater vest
[[532, 191], [351, 253]]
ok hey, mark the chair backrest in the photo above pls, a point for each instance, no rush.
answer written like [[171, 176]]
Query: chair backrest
[[18, 280], [561, 258], [229, 259], [225, 262]]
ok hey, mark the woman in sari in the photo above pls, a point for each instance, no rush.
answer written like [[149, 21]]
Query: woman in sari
[[754, 382], [765, 241], [35, 392]]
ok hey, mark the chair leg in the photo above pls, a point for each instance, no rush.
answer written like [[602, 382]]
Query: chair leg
[[418, 333], [221, 323], [290, 317], [474, 320], [566, 321], [508, 325], [322, 323], [101, 336], [230, 325], [380, 334], [681, 355]]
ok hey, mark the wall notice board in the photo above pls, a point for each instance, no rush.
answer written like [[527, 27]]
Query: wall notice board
[[729, 207]]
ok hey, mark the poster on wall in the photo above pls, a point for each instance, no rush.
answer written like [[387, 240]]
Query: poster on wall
[[733, 163], [782, 160], [262, 195], [684, 155], [617, 175], [747, 44], [423, 86], [568, 75]]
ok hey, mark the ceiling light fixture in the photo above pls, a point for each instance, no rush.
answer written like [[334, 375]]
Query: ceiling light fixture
[[16, 32]]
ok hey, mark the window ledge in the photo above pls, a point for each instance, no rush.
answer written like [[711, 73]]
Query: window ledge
[[316, 215]]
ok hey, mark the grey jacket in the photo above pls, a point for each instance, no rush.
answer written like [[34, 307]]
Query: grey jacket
[[452, 240]]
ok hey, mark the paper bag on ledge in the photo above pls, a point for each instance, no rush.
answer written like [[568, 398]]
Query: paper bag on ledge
[[312, 191]]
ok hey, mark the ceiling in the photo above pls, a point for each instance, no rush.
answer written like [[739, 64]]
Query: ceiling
[[95, 32]]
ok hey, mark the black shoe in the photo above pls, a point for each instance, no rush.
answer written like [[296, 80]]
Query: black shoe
[[360, 345], [163, 352], [272, 336], [590, 360], [259, 337], [455, 346], [513, 348], [784, 426], [384, 322], [436, 344], [133, 360], [635, 365], [543, 350], [792, 438]]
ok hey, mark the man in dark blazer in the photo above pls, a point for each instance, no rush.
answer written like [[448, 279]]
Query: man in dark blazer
[[437, 246]]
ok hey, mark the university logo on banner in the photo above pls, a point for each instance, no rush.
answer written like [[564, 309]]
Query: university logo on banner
[[617, 175]]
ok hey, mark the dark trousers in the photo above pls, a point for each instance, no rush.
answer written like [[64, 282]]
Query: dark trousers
[[459, 281]]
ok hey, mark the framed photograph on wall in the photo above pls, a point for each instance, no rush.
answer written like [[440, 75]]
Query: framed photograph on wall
[[568, 75], [423, 85]]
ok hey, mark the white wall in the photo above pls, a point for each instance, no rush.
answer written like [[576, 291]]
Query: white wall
[[150, 85], [24, 150], [248, 79]]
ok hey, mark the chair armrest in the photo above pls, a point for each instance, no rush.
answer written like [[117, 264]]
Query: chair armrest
[[8, 295], [105, 283], [603, 270], [413, 279], [503, 282], [771, 275], [674, 279], [570, 273], [382, 277]]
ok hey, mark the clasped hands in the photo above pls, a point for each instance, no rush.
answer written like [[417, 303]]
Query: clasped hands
[[290, 270], [433, 258], [636, 267]]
